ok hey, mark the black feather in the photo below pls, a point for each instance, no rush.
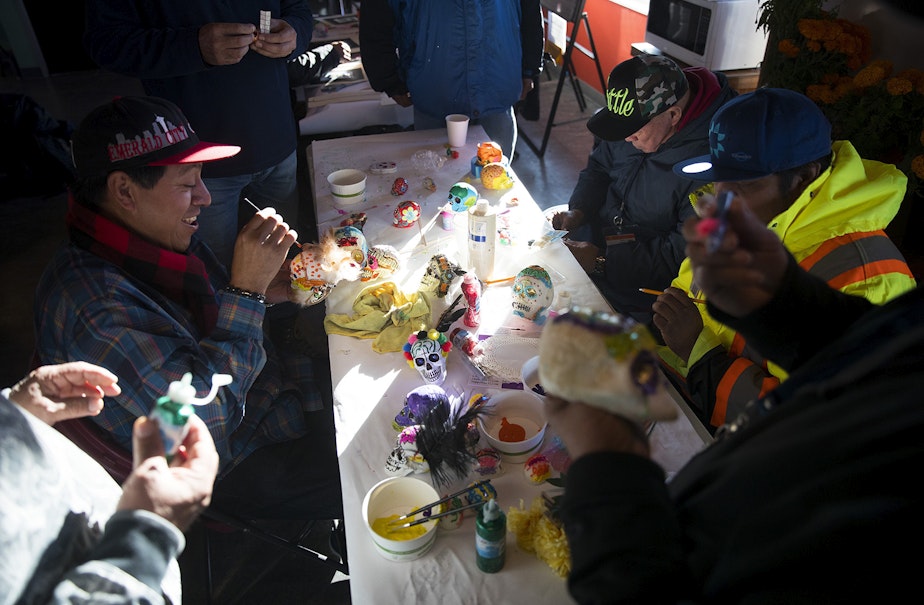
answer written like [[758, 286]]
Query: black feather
[[450, 315], [444, 440]]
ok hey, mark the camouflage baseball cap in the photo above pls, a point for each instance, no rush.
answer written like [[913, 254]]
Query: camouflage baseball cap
[[638, 89]]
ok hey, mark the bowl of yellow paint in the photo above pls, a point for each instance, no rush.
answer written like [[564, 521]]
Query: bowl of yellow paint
[[514, 424], [388, 500]]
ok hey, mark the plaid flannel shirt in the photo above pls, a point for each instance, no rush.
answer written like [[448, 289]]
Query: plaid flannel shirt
[[88, 309]]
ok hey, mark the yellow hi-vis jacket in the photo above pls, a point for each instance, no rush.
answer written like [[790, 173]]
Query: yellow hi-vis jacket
[[835, 231]]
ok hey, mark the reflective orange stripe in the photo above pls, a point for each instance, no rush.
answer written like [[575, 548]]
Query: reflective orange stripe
[[832, 244], [867, 271], [726, 385], [769, 383], [737, 346]]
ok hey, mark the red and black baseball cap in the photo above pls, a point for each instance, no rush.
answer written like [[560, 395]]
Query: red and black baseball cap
[[130, 132]]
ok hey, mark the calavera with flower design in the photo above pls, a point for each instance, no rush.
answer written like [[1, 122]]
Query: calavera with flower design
[[426, 352], [406, 214], [533, 294]]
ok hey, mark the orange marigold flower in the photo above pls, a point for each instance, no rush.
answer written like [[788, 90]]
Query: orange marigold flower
[[898, 86], [886, 66], [917, 166], [913, 75], [820, 94], [788, 48], [811, 29], [813, 45], [870, 75], [921, 138]]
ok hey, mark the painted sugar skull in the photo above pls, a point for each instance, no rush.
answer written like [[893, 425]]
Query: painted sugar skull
[[532, 294], [426, 352], [406, 458], [399, 187], [351, 238], [318, 268], [489, 152], [382, 261], [418, 403], [439, 275], [462, 196], [406, 214]]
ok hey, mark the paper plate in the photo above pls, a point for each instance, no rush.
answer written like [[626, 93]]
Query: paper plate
[[504, 355]]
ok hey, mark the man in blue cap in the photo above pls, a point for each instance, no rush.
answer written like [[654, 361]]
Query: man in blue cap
[[772, 149]]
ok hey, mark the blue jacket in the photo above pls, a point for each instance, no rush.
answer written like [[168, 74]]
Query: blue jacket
[[453, 56], [244, 104]]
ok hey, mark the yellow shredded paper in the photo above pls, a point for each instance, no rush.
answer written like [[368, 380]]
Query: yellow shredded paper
[[537, 533]]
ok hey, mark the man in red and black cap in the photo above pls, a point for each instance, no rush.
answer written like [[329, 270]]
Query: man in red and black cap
[[136, 290], [628, 196]]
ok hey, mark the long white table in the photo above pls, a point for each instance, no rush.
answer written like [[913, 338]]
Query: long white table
[[369, 388]]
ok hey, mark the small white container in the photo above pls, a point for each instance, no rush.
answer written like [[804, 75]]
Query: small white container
[[347, 186], [518, 407]]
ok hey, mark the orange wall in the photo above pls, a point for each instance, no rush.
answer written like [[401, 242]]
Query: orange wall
[[614, 28]]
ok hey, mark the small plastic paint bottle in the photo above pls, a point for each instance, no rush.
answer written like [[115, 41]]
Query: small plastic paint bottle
[[466, 342], [490, 537], [471, 289], [173, 411]]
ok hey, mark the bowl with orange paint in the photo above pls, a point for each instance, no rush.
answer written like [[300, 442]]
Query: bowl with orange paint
[[514, 424]]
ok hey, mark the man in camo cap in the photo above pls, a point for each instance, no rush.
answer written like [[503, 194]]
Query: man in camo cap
[[628, 200]]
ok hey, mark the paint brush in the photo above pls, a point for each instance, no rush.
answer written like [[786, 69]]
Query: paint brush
[[442, 500], [437, 516], [258, 209]]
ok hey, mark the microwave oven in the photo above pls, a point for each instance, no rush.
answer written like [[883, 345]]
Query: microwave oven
[[717, 34]]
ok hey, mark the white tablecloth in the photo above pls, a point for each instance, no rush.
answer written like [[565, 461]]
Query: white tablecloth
[[369, 388]]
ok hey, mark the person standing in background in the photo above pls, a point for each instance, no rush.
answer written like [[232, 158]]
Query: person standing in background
[[454, 56], [231, 81]]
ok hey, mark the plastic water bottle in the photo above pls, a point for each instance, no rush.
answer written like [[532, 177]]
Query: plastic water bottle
[[482, 236]]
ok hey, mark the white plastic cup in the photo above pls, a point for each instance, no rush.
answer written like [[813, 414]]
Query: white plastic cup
[[457, 128]]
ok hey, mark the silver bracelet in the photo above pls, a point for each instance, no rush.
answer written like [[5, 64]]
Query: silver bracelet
[[260, 298]]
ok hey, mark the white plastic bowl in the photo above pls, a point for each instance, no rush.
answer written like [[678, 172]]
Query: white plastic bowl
[[398, 496], [348, 186], [519, 407]]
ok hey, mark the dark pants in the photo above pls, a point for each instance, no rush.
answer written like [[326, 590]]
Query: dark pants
[[297, 479]]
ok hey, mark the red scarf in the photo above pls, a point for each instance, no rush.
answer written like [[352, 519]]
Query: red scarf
[[180, 277]]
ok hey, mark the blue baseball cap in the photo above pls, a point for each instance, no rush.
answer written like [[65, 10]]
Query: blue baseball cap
[[758, 134]]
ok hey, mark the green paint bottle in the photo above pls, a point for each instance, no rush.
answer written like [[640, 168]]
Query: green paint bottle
[[173, 410], [490, 537]]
